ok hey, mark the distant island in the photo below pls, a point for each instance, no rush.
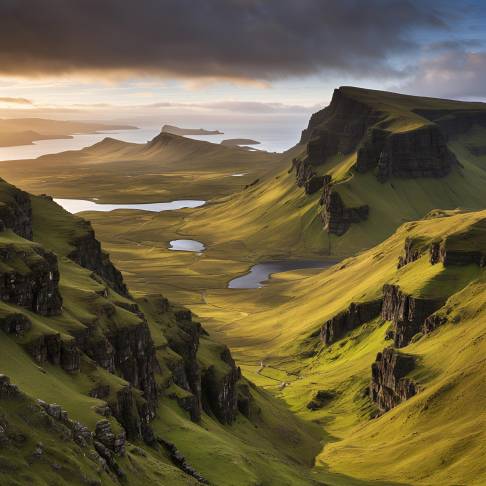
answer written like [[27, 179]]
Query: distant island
[[25, 131], [237, 142], [188, 131]]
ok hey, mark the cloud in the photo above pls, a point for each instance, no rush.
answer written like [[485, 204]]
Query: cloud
[[17, 101], [454, 73], [249, 107], [223, 39]]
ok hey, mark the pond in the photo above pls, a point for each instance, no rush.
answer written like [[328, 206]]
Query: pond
[[79, 205], [187, 245], [261, 272]]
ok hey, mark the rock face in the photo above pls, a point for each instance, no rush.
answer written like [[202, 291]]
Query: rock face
[[440, 253], [185, 343], [338, 127], [89, 254], [37, 289], [50, 348], [421, 152], [407, 313], [412, 252], [370, 149], [336, 217], [16, 210], [344, 322], [389, 384], [455, 122], [221, 392]]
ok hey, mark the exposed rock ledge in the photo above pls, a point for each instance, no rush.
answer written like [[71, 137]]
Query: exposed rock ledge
[[389, 384], [407, 313], [336, 217], [349, 319]]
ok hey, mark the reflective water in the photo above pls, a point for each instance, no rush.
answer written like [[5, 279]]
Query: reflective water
[[79, 205], [187, 245], [261, 272], [55, 146]]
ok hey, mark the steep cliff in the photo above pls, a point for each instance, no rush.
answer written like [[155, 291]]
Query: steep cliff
[[407, 313], [389, 383], [15, 210]]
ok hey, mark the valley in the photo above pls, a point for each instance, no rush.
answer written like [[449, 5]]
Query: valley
[[340, 286]]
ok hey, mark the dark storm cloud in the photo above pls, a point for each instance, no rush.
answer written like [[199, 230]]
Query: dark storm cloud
[[454, 73], [245, 39]]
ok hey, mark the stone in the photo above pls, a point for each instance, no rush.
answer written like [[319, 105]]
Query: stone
[[389, 384], [342, 323], [336, 217], [407, 313]]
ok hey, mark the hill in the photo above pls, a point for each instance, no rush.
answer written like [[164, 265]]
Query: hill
[[166, 168], [98, 387]]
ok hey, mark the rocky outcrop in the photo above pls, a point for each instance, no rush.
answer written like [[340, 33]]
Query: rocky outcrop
[[440, 252], [16, 210], [134, 359], [89, 254], [355, 315], [180, 461], [455, 122], [412, 252], [15, 324], [421, 152], [389, 383], [407, 313], [370, 149], [37, 289], [338, 127], [51, 348], [7, 389], [104, 434], [220, 390], [336, 217], [185, 342]]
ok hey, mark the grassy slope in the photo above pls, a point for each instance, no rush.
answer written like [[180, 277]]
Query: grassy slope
[[274, 447]]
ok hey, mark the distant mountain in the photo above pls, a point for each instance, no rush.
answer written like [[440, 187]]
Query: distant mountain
[[236, 142], [188, 131]]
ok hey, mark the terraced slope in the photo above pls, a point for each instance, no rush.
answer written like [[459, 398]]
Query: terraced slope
[[99, 388]]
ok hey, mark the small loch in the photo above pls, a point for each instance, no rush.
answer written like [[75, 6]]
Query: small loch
[[187, 245], [79, 205], [261, 272]]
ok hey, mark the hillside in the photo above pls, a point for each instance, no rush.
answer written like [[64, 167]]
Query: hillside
[[169, 167], [367, 163], [99, 388]]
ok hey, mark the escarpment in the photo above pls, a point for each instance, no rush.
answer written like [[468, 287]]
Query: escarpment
[[421, 152], [407, 313], [89, 254], [336, 217], [389, 383], [365, 136], [354, 316], [30, 279], [16, 210], [220, 388]]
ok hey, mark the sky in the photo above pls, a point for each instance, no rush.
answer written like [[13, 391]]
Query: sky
[[213, 62]]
